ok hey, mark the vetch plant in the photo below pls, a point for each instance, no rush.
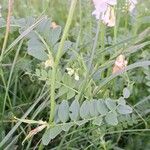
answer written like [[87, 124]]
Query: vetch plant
[[74, 85], [98, 112]]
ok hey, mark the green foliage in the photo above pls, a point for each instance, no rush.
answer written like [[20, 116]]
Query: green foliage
[[63, 111], [36, 49], [111, 118], [126, 93], [50, 134], [98, 109], [74, 110], [87, 111]]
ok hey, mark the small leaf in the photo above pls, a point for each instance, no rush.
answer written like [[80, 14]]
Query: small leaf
[[44, 74], [59, 75], [122, 118], [97, 121], [85, 110], [50, 134], [111, 118], [125, 124], [54, 35], [134, 119], [74, 110], [56, 118], [63, 111], [44, 26], [129, 120], [124, 109], [126, 93], [93, 108], [68, 80], [70, 94], [37, 50], [111, 104], [66, 126], [101, 107], [38, 72], [67, 45], [62, 90], [121, 101]]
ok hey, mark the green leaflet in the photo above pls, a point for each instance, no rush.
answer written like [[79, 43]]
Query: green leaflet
[[70, 94], [63, 111], [93, 108], [50, 134], [67, 126], [111, 118], [74, 110], [97, 111], [37, 49], [121, 101], [54, 35], [101, 107], [85, 109], [97, 121], [126, 93], [124, 109], [111, 104], [56, 118], [43, 40]]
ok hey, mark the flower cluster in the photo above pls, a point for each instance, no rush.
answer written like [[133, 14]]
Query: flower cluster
[[54, 25], [104, 10], [120, 64], [72, 72], [49, 62]]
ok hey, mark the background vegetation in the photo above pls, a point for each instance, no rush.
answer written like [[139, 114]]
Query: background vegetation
[[25, 82]]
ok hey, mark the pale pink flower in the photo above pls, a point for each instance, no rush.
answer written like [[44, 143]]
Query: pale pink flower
[[109, 18], [132, 4], [120, 64], [54, 25], [104, 11]]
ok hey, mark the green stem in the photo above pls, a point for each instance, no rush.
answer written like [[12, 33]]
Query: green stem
[[116, 27], [94, 46], [102, 36], [90, 62], [41, 146], [9, 79], [10, 6], [126, 22], [115, 34], [102, 40], [58, 56]]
